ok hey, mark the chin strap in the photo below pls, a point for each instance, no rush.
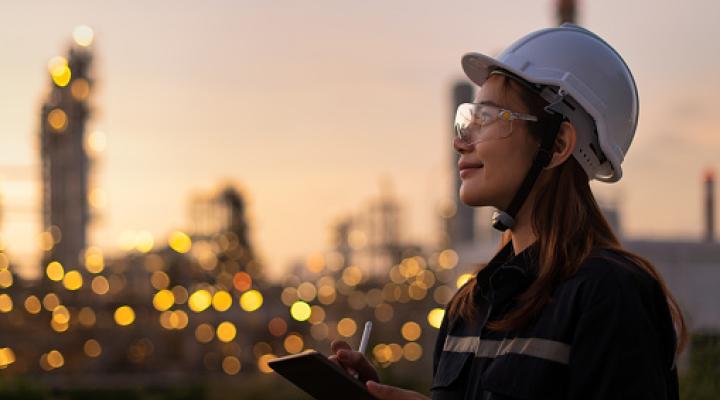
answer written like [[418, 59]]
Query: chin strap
[[504, 220]]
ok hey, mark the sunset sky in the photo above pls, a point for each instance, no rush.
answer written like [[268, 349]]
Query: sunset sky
[[307, 106]]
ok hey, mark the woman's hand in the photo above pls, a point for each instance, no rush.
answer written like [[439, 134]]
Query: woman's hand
[[353, 361], [385, 392], [356, 362]]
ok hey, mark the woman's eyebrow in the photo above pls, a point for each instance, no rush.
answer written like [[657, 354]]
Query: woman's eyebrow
[[489, 103]]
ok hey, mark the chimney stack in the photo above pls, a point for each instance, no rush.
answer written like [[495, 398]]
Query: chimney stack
[[709, 206]]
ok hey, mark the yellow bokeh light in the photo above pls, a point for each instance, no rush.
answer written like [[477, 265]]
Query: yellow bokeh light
[[100, 285], [409, 267], [92, 348], [94, 260], [6, 303], [163, 300], [46, 241], [6, 278], [61, 315], [448, 259], [178, 319], [83, 35], [231, 365], [32, 304], [80, 89], [4, 260], [226, 331], [411, 331], [57, 119], [347, 327], [7, 357], [60, 72], [165, 319], [200, 300], [417, 291], [159, 280], [412, 351], [50, 301], [395, 352], [180, 242], [251, 300], [55, 271], [73, 280], [263, 363], [382, 353], [435, 317], [221, 300], [300, 310], [462, 279], [58, 327], [204, 333], [293, 343], [124, 315], [55, 359]]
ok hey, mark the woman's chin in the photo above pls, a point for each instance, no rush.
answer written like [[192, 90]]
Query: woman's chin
[[473, 200]]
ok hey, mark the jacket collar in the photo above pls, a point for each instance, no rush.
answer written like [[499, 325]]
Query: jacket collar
[[525, 263]]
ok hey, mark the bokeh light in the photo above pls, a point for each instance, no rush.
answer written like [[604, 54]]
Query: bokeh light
[[435, 317], [300, 310], [55, 271], [226, 331], [200, 300], [221, 300], [73, 280], [251, 300], [124, 315], [180, 242]]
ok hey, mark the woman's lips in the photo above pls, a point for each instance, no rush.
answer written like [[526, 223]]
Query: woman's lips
[[467, 171]]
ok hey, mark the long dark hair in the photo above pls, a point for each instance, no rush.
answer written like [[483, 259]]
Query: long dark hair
[[568, 224]]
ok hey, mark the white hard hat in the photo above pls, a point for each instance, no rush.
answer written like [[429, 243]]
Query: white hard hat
[[584, 67]]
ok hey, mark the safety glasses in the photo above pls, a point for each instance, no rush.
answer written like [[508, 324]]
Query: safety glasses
[[477, 122]]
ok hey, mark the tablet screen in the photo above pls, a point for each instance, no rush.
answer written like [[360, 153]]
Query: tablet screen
[[318, 376]]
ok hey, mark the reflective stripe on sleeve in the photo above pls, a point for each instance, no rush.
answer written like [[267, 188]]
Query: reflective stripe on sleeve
[[541, 348]]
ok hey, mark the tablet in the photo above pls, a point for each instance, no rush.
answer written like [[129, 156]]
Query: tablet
[[321, 378]]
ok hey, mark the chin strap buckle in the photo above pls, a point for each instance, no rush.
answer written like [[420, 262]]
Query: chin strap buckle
[[502, 221]]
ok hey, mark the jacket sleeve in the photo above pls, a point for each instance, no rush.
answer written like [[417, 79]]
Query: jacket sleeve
[[622, 346]]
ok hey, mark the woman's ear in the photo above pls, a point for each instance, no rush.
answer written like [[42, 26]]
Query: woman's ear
[[564, 144]]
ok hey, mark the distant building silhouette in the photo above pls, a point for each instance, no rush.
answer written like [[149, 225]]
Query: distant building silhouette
[[65, 164]]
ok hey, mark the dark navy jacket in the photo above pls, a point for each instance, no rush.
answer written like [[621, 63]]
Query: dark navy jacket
[[606, 334]]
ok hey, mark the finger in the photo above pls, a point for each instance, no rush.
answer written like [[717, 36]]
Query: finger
[[337, 345], [359, 362], [350, 370], [385, 392]]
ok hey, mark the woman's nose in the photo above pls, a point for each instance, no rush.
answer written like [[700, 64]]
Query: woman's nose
[[460, 146]]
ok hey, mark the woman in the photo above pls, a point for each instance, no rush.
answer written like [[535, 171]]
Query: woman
[[562, 310]]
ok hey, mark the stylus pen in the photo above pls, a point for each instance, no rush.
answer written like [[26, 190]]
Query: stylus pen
[[364, 341], [365, 337]]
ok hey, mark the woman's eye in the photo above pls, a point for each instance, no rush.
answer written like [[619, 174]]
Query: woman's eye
[[485, 117]]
